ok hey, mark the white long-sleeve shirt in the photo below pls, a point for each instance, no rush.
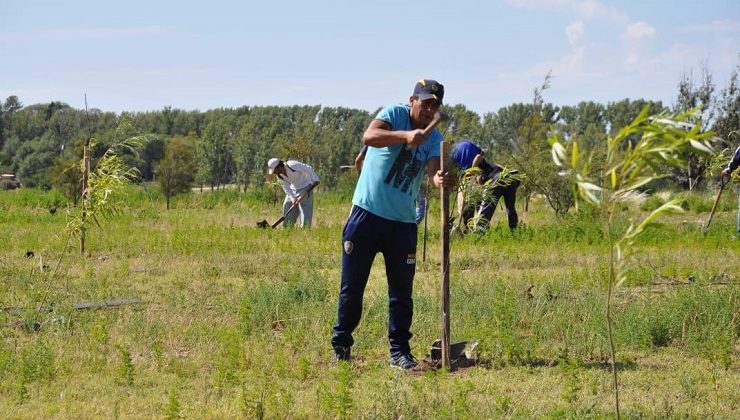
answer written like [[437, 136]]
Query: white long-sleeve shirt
[[297, 176]]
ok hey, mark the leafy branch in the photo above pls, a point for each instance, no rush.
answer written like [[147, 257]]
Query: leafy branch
[[474, 193], [631, 165], [103, 197]]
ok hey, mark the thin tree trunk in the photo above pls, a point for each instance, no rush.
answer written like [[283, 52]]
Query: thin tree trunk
[[609, 317]]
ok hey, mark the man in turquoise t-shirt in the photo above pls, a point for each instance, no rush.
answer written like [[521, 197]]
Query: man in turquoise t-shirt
[[421, 199], [383, 217]]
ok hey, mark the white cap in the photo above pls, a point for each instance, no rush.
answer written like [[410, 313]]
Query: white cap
[[272, 164]]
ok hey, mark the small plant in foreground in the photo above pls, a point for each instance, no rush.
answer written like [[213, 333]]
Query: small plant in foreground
[[126, 367], [253, 408], [172, 410], [337, 397]]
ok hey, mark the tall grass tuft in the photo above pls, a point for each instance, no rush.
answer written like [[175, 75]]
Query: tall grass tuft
[[336, 397], [172, 409], [125, 366]]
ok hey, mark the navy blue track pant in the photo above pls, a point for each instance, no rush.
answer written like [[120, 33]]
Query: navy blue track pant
[[366, 234], [509, 193]]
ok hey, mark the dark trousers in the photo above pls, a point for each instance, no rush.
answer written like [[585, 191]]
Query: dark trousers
[[366, 234], [487, 208]]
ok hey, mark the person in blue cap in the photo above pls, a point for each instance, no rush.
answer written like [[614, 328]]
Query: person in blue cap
[[383, 217], [466, 155]]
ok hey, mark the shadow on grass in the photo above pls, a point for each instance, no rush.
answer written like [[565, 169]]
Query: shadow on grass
[[463, 363]]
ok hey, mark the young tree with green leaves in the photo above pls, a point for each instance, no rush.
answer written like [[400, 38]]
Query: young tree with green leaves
[[629, 166], [530, 155], [107, 179]]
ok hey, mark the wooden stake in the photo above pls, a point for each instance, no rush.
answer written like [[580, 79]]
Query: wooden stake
[[85, 177], [444, 194], [426, 213], [85, 195]]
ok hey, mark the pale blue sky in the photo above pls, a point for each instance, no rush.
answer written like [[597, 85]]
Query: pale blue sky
[[143, 55]]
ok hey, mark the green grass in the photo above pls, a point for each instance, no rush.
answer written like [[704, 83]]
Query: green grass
[[237, 320]]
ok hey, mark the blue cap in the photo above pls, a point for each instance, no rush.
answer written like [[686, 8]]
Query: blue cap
[[429, 89], [464, 152]]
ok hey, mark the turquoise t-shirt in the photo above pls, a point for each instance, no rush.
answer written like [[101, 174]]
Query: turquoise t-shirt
[[391, 176]]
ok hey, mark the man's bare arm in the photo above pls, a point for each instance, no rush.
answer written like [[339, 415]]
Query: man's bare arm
[[379, 134]]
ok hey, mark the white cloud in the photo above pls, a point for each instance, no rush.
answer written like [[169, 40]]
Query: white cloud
[[676, 56], [639, 30], [587, 9], [575, 32], [74, 34], [633, 37], [717, 26]]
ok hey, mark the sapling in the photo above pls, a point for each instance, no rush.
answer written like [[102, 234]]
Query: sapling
[[474, 194], [107, 180], [105, 185], [631, 165], [102, 198]]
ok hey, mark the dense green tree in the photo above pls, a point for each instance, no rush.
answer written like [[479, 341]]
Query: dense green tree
[[7, 111], [620, 113], [10, 107], [28, 123], [217, 148], [461, 123], [2, 130], [232, 145], [176, 171], [248, 154], [150, 154], [577, 119], [695, 95], [186, 122], [34, 160], [500, 130], [531, 157], [66, 177], [727, 124], [166, 122]]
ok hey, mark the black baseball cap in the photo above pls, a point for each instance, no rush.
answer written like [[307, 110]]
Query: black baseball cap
[[429, 89]]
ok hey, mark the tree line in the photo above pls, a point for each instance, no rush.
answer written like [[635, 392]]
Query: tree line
[[41, 142]]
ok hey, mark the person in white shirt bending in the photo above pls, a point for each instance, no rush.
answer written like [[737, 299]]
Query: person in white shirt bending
[[298, 179]]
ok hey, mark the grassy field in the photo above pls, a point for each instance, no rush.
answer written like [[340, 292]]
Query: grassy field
[[235, 320]]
